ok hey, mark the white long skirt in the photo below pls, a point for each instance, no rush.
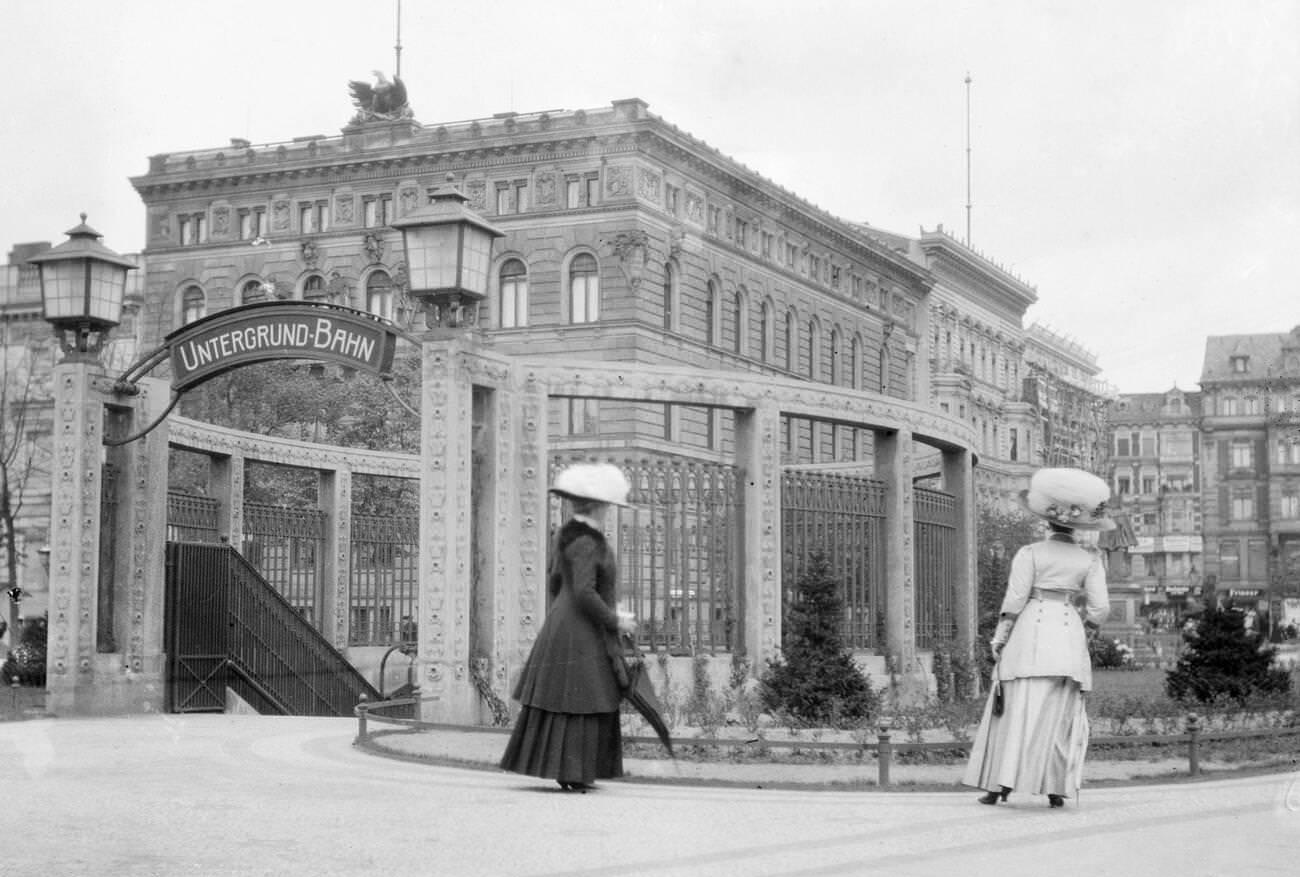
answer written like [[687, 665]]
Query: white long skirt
[[1037, 745]]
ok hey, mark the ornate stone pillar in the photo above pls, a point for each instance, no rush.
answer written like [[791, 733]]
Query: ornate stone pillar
[[446, 446], [226, 484], [520, 615], [336, 502], [74, 538], [894, 462], [758, 451], [959, 480]]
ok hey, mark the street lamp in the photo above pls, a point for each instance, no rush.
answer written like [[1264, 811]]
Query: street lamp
[[448, 257], [83, 283]]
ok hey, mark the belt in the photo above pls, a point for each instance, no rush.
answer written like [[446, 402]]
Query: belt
[[1051, 596]]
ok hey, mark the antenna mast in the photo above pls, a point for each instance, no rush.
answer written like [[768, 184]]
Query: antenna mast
[[398, 48], [968, 204]]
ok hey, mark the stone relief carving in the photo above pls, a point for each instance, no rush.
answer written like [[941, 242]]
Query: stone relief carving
[[546, 189], [476, 191], [221, 221], [280, 216], [618, 180], [695, 208], [310, 253], [647, 185], [344, 209], [374, 247], [631, 248], [409, 199]]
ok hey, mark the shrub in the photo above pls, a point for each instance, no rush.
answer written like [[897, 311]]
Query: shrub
[[27, 661], [815, 681], [1223, 660], [1109, 654]]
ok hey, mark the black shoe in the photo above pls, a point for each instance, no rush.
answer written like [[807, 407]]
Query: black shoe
[[1055, 801], [994, 797]]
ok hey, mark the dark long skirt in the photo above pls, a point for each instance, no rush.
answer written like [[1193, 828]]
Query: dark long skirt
[[567, 747]]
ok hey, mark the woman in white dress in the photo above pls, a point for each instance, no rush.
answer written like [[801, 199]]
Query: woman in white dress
[[1033, 738]]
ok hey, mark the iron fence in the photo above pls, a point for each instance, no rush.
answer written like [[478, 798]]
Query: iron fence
[[841, 517], [935, 530], [385, 579], [287, 546], [192, 518], [678, 552]]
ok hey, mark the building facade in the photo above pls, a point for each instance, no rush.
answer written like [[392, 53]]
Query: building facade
[[1250, 501], [1155, 476]]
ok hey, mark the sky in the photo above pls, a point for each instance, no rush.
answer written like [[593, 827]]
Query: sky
[[1138, 163]]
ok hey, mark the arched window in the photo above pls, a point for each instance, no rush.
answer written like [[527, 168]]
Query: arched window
[[791, 341], [765, 332], [670, 298], [855, 363], [738, 321], [812, 349], [711, 302], [584, 289], [313, 288], [379, 294], [513, 307], [253, 291], [837, 367], [193, 305]]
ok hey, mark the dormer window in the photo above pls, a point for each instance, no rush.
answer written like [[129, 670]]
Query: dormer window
[[1240, 364]]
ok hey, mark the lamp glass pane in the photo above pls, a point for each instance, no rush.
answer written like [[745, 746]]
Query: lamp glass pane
[[431, 257], [478, 257], [64, 288], [107, 286]]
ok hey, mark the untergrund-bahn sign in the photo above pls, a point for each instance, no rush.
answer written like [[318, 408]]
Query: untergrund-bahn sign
[[279, 330]]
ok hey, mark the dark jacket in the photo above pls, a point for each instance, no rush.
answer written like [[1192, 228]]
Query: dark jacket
[[570, 668]]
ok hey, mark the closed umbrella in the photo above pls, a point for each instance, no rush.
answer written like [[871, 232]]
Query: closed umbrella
[[640, 693]]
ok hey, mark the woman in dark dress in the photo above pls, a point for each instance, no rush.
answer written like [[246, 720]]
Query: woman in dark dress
[[570, 688]]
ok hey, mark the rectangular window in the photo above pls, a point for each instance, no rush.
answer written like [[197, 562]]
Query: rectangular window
[[521, 196], [1123, 485], [1243, 505], [572, 192], [593, 189], [503, 199], [245, 225], [672, 199], [370, 212], [1229, 560], [1121, 446], [1257, 560], [259, 222], [1148, 484], [1241, 454], [715, 219], [582, 416], [1290, 509], [184, 229], [1148, 444], [1240, 364], [767, 245], [322, 215], [305, 214]]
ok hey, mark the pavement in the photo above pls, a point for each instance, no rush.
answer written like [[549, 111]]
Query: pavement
[[256, 795]]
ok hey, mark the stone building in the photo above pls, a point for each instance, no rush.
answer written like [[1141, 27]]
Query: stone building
[[1068, 398], [1250, 434], [1155, 476], [625, 239]]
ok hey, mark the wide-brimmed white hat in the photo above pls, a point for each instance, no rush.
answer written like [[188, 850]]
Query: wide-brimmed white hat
[[603, 482], [1069, 497]]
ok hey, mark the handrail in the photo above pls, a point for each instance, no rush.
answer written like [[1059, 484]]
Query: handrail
[[884, 747]]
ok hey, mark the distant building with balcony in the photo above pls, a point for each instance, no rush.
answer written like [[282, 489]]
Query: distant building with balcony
[[1067, 399], [1155, 477], [1250, 432]]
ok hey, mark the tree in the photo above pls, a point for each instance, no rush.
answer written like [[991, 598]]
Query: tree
[[998, 536], [20, 395], [815, 679], [1223, 659]]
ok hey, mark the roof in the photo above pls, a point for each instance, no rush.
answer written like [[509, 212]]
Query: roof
[[1263, 357]]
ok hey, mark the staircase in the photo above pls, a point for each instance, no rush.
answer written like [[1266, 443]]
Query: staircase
[[227, 628]]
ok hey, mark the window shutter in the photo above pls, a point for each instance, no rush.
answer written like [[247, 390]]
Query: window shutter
[[1223, 505]]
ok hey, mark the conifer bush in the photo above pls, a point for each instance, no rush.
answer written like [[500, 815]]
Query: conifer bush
[[1224, 660], [815, 680]]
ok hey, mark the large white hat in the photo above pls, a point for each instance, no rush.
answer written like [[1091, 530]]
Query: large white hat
[[1069, 497], [603, 482]]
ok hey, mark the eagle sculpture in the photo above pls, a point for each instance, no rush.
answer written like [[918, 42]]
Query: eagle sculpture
[[383, 101]]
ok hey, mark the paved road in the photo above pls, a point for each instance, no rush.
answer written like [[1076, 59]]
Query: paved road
[[246, 795]]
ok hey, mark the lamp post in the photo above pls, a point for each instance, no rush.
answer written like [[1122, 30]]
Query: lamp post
[[448, 257], [448, 261], [83, 283]]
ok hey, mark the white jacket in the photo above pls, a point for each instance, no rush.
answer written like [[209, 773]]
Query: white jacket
[[1048, 580]]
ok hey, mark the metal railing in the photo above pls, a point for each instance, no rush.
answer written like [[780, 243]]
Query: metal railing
[[935, 538], [227, 628], [287, 546], [384, 587], [841, 517], [677, 549]]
